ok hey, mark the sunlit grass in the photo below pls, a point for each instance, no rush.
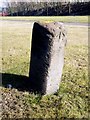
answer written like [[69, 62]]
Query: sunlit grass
[[81, 19], [71, 100]]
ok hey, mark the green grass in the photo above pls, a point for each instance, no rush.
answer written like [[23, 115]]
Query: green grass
[[71, 100], [81, 19]]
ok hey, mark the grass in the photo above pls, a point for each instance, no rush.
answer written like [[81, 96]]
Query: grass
[[81, 19], [71, 100]]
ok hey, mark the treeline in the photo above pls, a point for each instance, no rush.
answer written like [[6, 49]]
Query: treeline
[[48, 8]]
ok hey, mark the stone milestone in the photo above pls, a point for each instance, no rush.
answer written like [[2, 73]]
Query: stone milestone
[[47, 56]]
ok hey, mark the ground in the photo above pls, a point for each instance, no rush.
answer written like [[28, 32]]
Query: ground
[[71, 100]]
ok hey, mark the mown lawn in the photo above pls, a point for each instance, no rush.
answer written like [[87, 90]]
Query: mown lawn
[[81, 19], [70, 101]]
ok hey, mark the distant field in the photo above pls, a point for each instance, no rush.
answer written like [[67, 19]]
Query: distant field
[[71, 100], [81, 19]]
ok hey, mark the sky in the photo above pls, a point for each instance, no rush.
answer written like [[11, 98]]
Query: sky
[[3, 3]]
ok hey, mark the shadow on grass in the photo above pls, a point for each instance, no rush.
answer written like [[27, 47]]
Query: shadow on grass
[[19, 82]]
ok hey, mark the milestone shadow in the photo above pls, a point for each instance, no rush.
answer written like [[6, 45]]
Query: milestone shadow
[[22, 83]]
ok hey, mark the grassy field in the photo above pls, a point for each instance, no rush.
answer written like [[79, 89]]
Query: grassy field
[[70, 101], [81, 19]]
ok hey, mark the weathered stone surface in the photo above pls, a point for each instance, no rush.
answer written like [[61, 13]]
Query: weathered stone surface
[[47, 56]]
